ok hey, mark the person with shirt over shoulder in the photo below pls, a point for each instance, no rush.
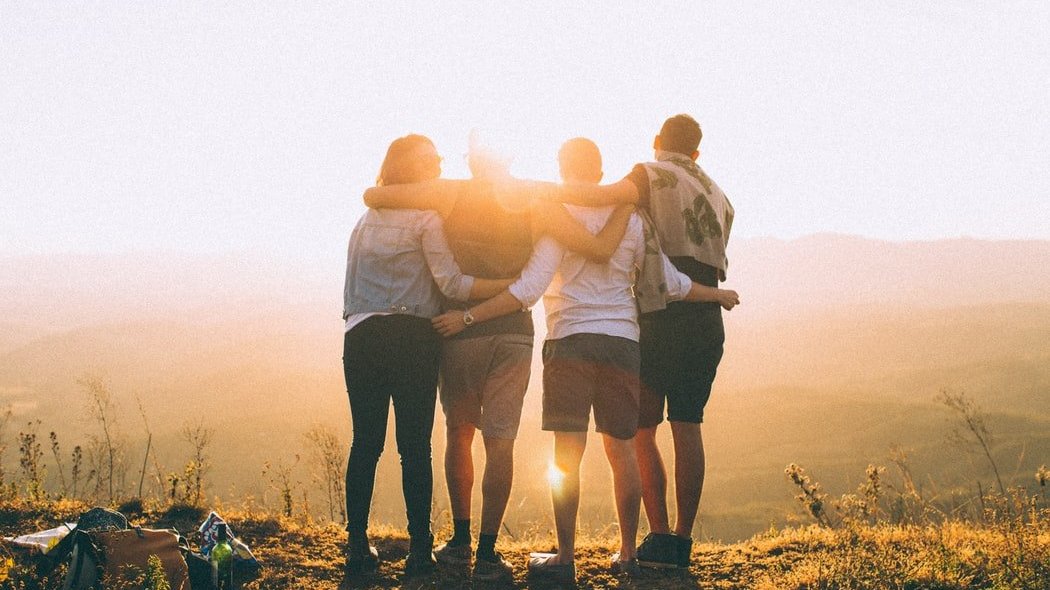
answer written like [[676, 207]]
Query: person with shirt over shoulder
[[398, 266], [591, 358], [682, 344]]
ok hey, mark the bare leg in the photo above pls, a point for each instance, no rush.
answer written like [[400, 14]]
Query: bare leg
[[627, 488], [568, 451], [496, 483], [459, 469], [654, 480], [689, 466]]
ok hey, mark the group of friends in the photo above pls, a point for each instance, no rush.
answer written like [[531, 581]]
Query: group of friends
[[441, 275]]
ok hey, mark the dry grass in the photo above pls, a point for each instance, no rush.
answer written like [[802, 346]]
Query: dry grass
[[298, 555]]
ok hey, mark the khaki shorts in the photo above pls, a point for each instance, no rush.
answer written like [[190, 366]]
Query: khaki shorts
[[483, 382]]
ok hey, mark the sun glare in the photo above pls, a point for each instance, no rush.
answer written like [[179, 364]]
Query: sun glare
[[554, 476]]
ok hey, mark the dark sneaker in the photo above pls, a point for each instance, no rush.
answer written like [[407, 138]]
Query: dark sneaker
[[361, 558], [420, 562], [659, 550], [685, 551], [542, 568], [449, 554], [492, 570], [628, 567]]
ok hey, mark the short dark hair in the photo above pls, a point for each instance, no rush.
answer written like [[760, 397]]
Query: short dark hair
[[580, 159], [680, 133], [396, 167]]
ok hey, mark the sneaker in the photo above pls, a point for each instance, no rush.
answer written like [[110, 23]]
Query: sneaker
[[449, 554], [659, 550], [420, 560], [361, 558], [542, 568], [685, 551], [628, 567], [489, 570]]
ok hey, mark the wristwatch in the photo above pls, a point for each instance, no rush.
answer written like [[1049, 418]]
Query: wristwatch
[[468, 318]]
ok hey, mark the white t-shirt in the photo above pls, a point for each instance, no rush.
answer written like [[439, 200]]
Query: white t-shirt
[[581, 296]]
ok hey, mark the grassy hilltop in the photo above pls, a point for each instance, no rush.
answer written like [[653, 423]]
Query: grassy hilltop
[[1005, 546]]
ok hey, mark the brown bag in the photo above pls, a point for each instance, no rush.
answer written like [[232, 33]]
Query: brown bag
[[124, 556]]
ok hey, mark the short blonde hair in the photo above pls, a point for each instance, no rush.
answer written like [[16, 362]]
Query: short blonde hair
[[580, 159]]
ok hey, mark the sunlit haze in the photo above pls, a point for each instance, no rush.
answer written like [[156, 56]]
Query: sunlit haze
[[179, 181], [237, 128]]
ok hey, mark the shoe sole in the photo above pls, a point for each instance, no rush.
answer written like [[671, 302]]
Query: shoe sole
[[493, 578], [453, 562], [660, 565]]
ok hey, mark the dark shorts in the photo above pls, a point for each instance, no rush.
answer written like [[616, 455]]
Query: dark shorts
[[681, 349], [591, 370]]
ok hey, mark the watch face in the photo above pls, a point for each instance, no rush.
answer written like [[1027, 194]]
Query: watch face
[[467, 318]]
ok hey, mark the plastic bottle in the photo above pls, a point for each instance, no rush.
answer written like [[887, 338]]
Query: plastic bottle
[[221, 559]]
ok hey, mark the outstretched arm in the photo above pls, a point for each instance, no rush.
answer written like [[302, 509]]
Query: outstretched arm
[[597, 195], [552, 219], [680, 287], [452, 322], [525, 292], [485, 288], [447, 275], [438, 195], [727, 298]]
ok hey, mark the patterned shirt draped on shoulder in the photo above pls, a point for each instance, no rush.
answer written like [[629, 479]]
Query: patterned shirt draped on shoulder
[[691, 214]]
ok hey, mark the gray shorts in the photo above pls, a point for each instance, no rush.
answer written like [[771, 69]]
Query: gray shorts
[[483, 382], [585, 370]]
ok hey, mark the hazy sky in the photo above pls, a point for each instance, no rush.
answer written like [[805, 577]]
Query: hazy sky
[[218, 127]]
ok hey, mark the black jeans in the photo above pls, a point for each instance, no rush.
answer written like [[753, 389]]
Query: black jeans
[[386, 358]]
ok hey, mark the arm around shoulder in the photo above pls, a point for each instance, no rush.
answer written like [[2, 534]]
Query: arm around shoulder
[[552, 219], [727, 298], [438, 195], [623, 192]]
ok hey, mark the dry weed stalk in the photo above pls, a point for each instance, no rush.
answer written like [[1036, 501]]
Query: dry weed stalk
[[281, 479], [809, 494], [30, 460], [5, 418], [58, 462], [200, 439], [102, 410], [328, 455], [972, 426]]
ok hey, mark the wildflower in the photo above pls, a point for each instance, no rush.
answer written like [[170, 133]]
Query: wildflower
[[6, 564]]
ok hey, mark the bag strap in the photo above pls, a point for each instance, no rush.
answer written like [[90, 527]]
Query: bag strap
[[85, 544]]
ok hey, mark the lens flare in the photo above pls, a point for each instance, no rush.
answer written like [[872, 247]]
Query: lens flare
[[555, 476]]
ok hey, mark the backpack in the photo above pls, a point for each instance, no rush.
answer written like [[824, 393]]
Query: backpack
[[101, 519], [115, 558]]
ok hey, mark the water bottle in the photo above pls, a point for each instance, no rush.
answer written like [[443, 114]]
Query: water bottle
[[221, 559]]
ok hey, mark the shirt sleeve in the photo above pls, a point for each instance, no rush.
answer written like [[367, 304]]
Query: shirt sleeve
[[538, 272], [447, 274], [636, 231], [678, 283], [640, 178]]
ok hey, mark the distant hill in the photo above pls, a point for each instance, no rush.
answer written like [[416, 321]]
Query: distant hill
[[775, 277], [840, 271], [837, 353]]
